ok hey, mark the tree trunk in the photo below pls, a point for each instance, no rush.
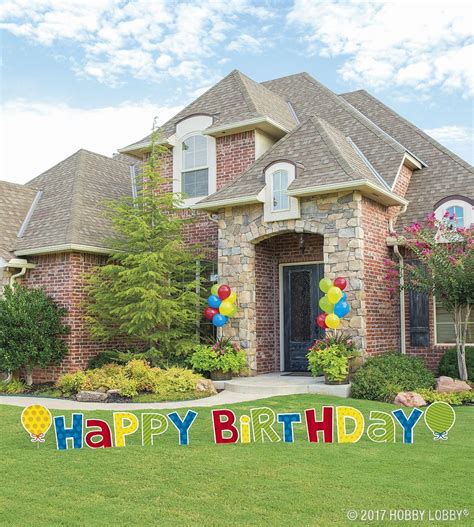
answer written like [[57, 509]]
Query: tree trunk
[[29, 375], [460, 327]]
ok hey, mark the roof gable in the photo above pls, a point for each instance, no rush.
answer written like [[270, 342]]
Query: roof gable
[[15, 202], [445, 174], [234, 99], [322, 154], [70, 208]]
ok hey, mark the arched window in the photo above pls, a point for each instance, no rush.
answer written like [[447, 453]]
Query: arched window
[[195, 166], [280, 198], [456, 215], [458, 209]]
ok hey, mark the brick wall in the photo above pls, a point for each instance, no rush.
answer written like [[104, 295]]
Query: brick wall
[[402, 181], [382, 306], [62, 277], [269, 254]]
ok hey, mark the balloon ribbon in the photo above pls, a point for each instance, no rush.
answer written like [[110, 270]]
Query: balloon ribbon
[[37, 438], [440, 436]]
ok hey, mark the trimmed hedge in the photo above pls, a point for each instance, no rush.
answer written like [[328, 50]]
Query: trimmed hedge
[[380, 378], [449, 364]]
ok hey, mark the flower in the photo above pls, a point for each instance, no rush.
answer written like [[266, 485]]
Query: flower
[[431, 219], [414, 228], [426, 252]]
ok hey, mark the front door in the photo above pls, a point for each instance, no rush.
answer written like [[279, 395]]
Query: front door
[[300, 308]]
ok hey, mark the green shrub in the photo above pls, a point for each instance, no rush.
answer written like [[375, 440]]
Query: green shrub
[[380, 378], [71, 383], [175, 381], [14, 386], [331, 356], [31, 330], [449, 363], [223, 356], [454, 398], [135, 377]]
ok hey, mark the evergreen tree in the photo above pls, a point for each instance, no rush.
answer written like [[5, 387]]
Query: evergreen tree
[[147, 292]]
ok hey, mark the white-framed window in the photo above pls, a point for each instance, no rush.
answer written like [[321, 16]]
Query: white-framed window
[[195, 167], [459, 209], [277, 203], [444, 326], [194, 159], [280, 198]]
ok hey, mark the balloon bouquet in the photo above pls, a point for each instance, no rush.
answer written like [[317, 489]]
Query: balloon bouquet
[[222, 305], [333, 303]]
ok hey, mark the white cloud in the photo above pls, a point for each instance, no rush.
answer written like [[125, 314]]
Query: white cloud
[[136, 37], [247, 43], [387, 44], [459, 139], [37, 135]]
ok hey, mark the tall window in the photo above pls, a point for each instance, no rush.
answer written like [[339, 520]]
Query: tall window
[[280, 199], [445, 333], [458, 213], [195, 170]]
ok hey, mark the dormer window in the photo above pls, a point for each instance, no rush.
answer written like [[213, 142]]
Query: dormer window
[[194, 159], [280, 198], [458, 209], [278, 204], [195, 167]]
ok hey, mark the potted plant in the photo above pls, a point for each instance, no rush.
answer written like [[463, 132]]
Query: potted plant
[[221, 359], [336, 357]]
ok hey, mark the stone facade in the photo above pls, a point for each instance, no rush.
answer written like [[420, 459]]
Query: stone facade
[[337, 218]]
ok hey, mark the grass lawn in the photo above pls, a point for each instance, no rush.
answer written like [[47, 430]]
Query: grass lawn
[[218, 485]]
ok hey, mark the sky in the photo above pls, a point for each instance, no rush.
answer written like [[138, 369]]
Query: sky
[[94, 73]]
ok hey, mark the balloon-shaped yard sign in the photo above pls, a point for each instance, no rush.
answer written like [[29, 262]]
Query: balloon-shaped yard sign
[[222, 305], [333, 303]]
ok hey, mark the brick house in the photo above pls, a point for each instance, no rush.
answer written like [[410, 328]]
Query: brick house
[[288, 182]]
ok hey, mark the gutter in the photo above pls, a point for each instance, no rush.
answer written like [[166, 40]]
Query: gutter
[[396, 250], [63, 248], [18, 263]]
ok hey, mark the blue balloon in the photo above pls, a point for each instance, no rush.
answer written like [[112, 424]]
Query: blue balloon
[[219, 320], [343, 297], [341, 309], [214, 301]]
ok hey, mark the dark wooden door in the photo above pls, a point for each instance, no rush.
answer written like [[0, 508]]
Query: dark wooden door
[[300, 308]]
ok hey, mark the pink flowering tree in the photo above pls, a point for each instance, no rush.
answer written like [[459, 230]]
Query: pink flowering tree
[[443, 266]]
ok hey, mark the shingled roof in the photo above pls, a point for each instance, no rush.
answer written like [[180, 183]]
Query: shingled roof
[[309, 97], [445, 174], [69, 211], [322, 153], [15, 201], [234, 99]]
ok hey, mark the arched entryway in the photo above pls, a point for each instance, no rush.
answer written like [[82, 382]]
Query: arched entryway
[[288, 267]]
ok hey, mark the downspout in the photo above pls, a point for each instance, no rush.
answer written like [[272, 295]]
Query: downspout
[[396, 250], [13, 277]]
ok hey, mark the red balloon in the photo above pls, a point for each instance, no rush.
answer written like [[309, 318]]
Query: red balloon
[[209, 312], [341, 283], [224, 291], [321, 320]]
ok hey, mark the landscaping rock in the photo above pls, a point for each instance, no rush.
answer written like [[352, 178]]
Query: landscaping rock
[[113, 395], [449, 385], [91, 397], [205, 385], [409, 399]]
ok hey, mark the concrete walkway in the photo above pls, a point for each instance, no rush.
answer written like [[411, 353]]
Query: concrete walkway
[[238, 390]]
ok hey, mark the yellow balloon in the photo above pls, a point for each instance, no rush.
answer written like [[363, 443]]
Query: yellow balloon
[[332, 321], [215, 289], [325, 284], [334, 295], [226, 308], [232, 298], [36, 420]]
